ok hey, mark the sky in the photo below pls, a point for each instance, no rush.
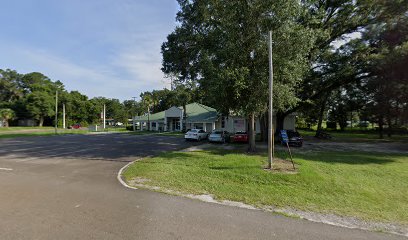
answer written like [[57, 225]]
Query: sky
[[107, 48]]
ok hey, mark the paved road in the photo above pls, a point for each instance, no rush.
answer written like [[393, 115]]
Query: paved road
[[65, 187]]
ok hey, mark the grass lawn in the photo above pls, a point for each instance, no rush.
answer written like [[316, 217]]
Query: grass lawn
[[8, 129], [357, 136], [45, 131], [365, 185]]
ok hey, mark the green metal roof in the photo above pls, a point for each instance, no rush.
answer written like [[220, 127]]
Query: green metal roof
[[153, 117], [196, 112]]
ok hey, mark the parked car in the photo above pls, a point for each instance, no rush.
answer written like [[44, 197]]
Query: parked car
[[195, 134], [294, 138], [75, 126], [241, 136], [219, 136]]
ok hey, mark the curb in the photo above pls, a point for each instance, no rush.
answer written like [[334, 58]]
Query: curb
[[119, 176]]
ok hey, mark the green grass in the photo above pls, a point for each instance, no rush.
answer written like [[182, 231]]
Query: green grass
[[358, 136], [368, 186], [7, 129], [42, 132]]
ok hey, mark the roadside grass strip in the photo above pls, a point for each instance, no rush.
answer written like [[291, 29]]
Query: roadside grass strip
[[371, 187], [5, 134]]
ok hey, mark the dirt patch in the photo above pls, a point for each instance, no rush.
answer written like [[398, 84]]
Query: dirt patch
[[282, 166], [138, 180]]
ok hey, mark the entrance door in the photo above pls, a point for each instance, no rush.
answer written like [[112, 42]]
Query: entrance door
[[175, 125]]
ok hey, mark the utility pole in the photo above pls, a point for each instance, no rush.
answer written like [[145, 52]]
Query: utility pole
[[148, 117], [63, 115], [104, 117], [271, 138], [133, 114], [56, 111]]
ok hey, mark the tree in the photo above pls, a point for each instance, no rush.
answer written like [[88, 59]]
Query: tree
[[40, 105], [6, 115], [221, 47], [147, 100], [184, 97], [9, 86], [388, 86], [330, 69]]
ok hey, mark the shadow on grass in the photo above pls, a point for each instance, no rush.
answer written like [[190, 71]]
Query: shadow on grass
[[354, 158], [331, 157], [195, 159]]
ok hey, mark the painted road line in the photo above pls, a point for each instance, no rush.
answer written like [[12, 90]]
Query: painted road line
[[6, 169]]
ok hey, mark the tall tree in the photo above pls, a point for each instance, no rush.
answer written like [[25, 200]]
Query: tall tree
[[388, 86], [147, 100], [221, 46], [336, 21]]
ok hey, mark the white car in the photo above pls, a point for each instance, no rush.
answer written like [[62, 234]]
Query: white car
[[196, 134]]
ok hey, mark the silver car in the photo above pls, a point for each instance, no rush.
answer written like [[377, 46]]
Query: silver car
[[195, 134], [219, 135]]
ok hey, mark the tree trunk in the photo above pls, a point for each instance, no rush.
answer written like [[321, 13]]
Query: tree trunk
[[280, 120], [184, 128], [6, 123], [41, 121], [389, 132], [263, 121], [381, 126], [148, 118], [252, 147], [321, 113]]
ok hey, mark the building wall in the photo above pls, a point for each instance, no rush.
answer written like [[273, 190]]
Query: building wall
[[234, 124]]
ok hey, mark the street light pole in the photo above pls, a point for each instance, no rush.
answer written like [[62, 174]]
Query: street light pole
[[271, 138]]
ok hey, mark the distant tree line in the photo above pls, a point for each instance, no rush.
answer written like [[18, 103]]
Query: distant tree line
[[32, 96]]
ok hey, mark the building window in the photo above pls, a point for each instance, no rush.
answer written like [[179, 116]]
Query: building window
[[153, 124], [223, 122]]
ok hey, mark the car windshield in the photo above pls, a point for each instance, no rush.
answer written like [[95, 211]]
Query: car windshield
[[217, 132], [241, 132], [193, 130]]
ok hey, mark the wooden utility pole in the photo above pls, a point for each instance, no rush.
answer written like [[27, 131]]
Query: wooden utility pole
[[104, 117], [56, 111], [271, 138], [63, 116]]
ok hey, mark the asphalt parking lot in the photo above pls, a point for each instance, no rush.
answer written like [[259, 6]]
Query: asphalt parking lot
[[65, 187]]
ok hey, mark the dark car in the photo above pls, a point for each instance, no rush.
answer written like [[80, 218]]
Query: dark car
[[241, 136], [294, 138]]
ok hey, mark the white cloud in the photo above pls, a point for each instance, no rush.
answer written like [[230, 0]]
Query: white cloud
[[101, 48], [110, 80]]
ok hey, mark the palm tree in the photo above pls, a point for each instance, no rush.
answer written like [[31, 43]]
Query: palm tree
[[148, 101], [184, 98], [7, 114]]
